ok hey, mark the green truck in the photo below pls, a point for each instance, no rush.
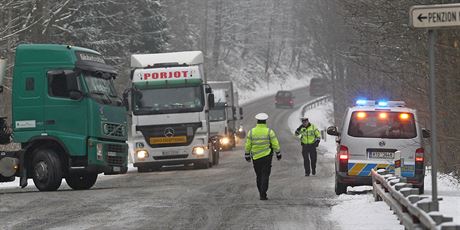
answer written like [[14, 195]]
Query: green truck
[[66, 116]]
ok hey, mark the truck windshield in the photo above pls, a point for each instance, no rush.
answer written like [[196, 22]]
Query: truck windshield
[[382, 124], [101, 88], [168, 100], [217, 114]]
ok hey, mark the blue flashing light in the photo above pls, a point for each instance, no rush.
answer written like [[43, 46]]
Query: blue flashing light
[[382, 103], [361, 102]]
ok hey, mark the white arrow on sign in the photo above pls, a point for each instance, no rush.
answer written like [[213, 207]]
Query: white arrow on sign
[[435, 16]]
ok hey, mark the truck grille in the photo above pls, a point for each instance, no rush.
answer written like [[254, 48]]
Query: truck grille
[[114, 160], [182, 156], [154, 131], [113, 129], [116, 148]]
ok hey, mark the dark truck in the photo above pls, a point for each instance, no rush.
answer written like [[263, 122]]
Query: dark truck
[[66, 116]]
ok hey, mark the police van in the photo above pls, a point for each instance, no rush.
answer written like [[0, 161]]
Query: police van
[[371, 133]]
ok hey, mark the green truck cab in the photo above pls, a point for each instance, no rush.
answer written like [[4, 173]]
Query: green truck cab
[[67, 117]]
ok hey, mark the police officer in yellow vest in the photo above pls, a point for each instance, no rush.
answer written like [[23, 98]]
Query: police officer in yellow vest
[[261, 142], [309, 139]]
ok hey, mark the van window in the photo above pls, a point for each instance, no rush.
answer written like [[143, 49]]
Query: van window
[[382, 124]]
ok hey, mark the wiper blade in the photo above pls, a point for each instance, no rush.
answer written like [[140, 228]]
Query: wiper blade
[[109, 101], [97, 92]]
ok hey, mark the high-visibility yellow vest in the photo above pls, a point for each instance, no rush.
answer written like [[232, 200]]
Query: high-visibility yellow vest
[[261, 141], [309, 135]]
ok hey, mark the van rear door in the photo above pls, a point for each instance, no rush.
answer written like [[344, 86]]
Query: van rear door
[[373, 137]]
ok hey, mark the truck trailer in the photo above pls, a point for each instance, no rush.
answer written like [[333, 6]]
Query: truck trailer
[[66, 118]]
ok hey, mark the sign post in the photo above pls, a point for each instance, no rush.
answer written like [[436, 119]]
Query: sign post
[[433, 17]]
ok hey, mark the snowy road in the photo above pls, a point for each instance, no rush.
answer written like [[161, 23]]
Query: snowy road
[[223, 197]]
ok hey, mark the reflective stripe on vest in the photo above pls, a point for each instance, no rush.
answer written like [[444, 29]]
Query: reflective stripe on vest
[[262, 143]]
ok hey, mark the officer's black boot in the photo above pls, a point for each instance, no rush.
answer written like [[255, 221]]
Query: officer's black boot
[[263, 196]]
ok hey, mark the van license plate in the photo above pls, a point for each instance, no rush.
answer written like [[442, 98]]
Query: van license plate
[[116, 169], [382, 155]]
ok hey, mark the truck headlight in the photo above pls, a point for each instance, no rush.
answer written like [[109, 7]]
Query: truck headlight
[[198, 150], [142, 154], [225, 141], [99, 151]]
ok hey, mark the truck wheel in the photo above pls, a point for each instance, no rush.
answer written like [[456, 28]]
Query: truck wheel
[[340, 188], [81, 181], [142, 169], [215, 156], [46, 170], [202, 165]]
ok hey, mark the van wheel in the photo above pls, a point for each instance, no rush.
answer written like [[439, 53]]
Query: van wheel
[[340, 188], [421, 189], [46, 170], [81, 181]]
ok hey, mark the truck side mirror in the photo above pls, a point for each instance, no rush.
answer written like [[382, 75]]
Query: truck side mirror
[[125, 98], [426, 133], [76, 95], [72, 81], [211, 100], [207, 89], [332, 130]]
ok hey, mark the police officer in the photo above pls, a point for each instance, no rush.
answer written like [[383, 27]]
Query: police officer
[[309, 139], [261, 142]]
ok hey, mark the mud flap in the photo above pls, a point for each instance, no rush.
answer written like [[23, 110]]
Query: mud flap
[[22, 170]]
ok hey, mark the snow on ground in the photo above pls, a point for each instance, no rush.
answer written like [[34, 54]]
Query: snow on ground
[[357, 209]]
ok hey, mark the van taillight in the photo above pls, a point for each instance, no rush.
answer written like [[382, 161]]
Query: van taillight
[[343, 152], [343, 158], [419, 160], [419, 155]]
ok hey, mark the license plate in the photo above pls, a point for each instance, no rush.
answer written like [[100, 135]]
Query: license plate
[[168, 140], [169, 153], [382, 155], [116, 169]]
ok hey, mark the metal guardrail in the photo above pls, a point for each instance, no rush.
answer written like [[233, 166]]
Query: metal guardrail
[[315, 103], [414, 211]]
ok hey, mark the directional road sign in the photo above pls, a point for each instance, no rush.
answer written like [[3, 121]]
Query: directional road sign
[[435, 16]]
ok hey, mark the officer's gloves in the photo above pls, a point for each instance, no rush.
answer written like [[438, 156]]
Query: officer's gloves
[[278, 155], [317, 140], [247, 156]]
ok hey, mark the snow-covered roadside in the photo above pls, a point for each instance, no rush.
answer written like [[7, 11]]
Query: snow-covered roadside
[[357, 209], [247, 95]]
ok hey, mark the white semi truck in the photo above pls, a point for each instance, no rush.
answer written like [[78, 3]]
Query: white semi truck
[[170, 100], [225, 122]]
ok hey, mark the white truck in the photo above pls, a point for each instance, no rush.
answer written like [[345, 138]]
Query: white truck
[[225, 123], [169, 101]]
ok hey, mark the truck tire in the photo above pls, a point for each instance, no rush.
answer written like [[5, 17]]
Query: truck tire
[[340, 188], [46, 170], [202, 165], [142, 169], [215, 156], [81, 181]]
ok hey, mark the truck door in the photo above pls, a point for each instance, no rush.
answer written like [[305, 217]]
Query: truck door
[[27, 104], [66, 118]]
